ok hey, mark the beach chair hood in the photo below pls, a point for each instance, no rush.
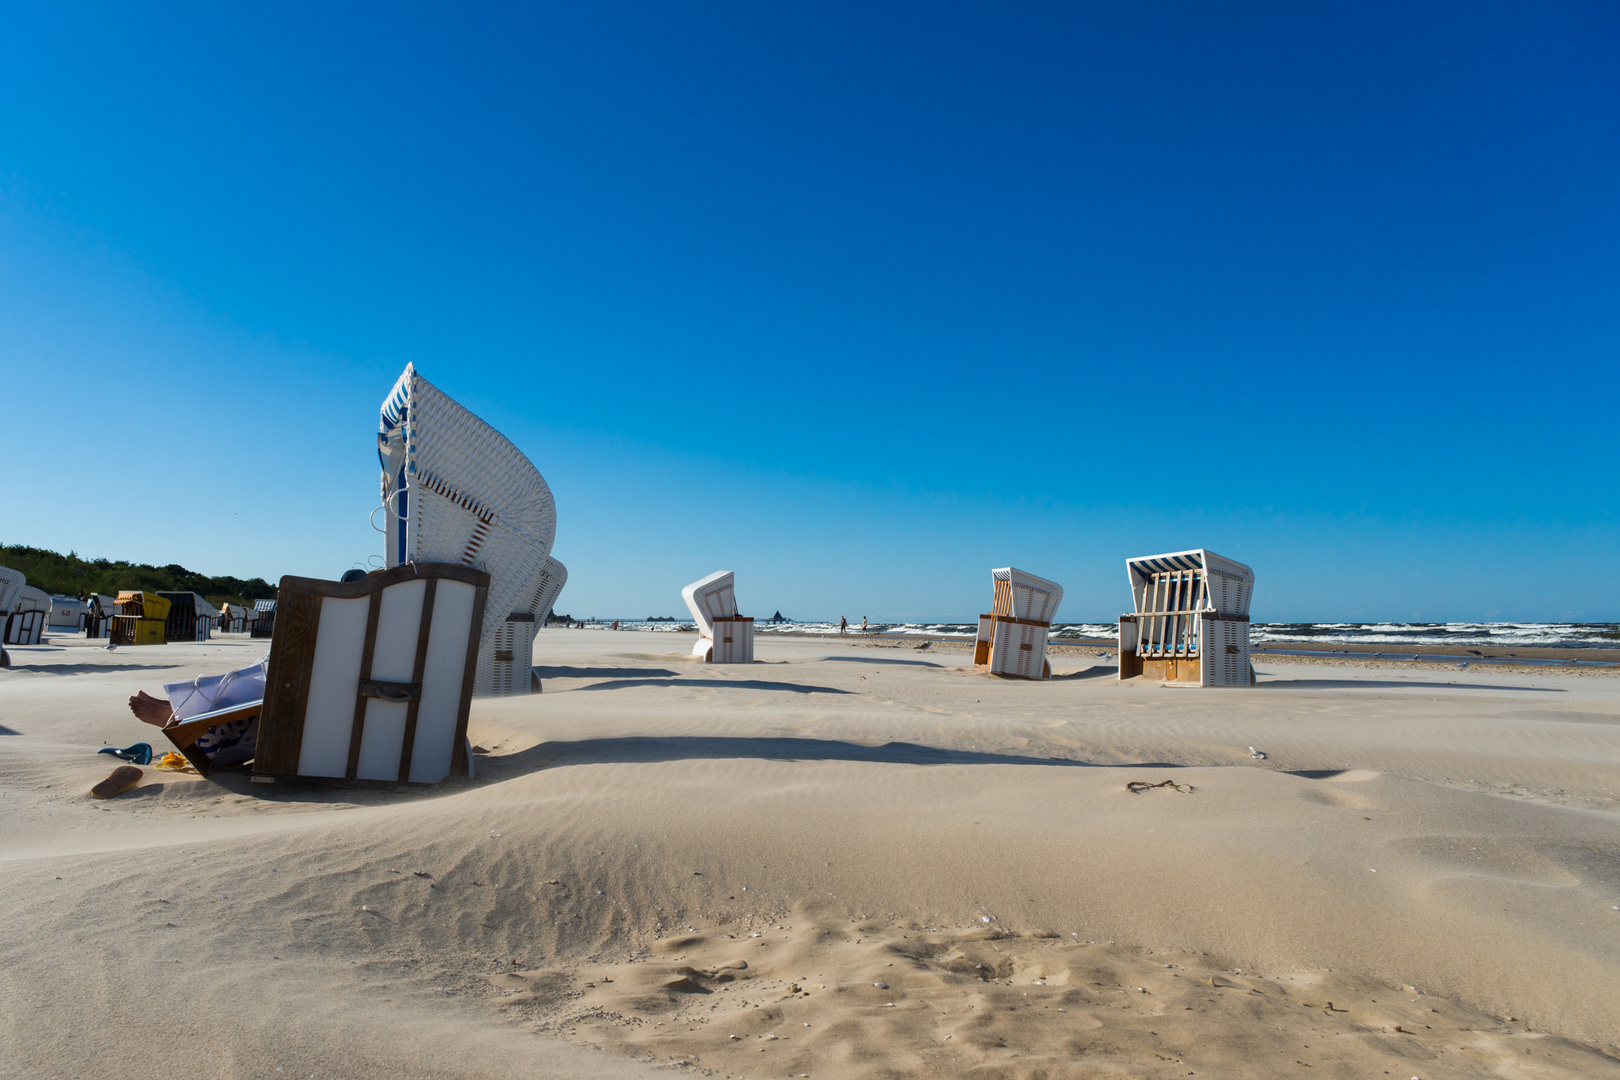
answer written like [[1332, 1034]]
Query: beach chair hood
[[455, 490], [1227, 584]]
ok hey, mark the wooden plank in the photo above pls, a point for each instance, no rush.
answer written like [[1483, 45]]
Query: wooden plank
[[1002, 602], [458, 749], [286, 690], [361, 701], [425, 628]]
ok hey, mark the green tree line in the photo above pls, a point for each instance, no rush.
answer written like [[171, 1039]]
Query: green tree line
[[70, 575]]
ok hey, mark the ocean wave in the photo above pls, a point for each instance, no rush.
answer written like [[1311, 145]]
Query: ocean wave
[[1528, 634]]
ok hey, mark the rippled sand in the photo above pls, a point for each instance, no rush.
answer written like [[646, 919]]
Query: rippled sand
[[850, 859]]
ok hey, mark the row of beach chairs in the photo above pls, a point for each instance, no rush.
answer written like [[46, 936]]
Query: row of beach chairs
[[1190, 623], [370, 679]]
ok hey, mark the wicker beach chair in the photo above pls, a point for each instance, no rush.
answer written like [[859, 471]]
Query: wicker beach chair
[[455, 490], [372, 679], [68, 614], [191, 618], [1191, 623], [263, 623], [1012, 637], [139, 619], [724, 637]]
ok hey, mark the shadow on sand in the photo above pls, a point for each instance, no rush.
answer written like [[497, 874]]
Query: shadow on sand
[[1353, 684], [649, 749], [881, 660], [86, 669], [604, 673], [716, 684], [1094, 672]]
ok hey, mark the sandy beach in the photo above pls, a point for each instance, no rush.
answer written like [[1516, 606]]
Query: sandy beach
[[849, 859]]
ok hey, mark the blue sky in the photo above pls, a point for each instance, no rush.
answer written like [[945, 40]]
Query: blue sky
[[858, 300]]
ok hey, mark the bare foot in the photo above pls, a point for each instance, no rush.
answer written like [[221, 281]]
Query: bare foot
[[150, 710]]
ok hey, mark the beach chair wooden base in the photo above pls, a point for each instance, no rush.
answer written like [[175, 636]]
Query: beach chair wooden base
[[1215, 653]]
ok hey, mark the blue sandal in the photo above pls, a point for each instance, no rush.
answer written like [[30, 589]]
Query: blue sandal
[[140, 753]]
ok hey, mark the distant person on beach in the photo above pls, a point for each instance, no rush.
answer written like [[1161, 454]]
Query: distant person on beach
[[843, 625], [863, 624], [230, 743]]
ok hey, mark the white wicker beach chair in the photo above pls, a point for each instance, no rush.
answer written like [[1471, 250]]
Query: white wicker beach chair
[[1012, 637], [1191, 623], [724, 637], [455, 490]]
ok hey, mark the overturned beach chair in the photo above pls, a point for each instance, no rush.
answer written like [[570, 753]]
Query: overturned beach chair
[[455, 490], [371, 679], [1191, 623], [724, 637], [1012, 637], [139, 620]]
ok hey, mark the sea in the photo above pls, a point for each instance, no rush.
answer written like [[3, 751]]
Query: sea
[[1542, 635]]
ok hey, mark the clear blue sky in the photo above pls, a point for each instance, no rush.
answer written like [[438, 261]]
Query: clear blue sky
[[859, 300]]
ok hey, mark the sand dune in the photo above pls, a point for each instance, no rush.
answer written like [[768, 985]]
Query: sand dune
[[1434, 853]]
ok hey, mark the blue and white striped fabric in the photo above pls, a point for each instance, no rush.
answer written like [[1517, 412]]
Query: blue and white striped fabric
[[1160, 564]]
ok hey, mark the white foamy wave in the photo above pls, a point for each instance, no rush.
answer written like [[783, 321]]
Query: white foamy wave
[[1527, 634]]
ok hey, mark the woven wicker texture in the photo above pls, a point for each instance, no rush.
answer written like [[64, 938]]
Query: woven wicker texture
[[450, 451], [456, 490], [11, 583], [443, 531], [494, 677]]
